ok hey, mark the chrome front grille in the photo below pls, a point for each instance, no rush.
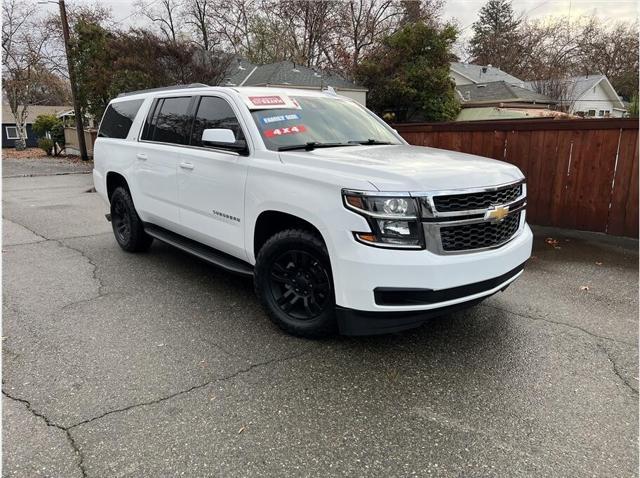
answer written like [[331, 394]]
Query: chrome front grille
[[464, 221], [477, 200], [479, 235]]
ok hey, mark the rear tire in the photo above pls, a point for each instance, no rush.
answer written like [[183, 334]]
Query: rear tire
[[127, 225], [294, 282]]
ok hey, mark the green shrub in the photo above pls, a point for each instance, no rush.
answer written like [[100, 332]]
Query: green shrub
[[46, 145], [52, 125]]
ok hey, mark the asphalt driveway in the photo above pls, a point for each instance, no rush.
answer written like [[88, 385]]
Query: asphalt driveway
[[159, 365]]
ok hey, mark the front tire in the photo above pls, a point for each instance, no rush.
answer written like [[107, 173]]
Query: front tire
[[294, 282], [127, 225]]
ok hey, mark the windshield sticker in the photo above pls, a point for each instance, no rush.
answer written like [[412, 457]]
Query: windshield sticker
[[277, 119], [274, 133], [266, 100]]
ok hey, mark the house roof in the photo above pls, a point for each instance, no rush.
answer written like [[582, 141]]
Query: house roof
[[499, 92], [32, 112], [283, 73], [238, 71], [577, 86], [483, 74]]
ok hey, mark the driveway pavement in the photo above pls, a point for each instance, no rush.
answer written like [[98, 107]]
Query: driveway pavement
[[159, 365]]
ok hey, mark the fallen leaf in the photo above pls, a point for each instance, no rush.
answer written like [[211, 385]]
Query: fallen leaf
[[584, 287], [241, 430], [598, 263], [552, 242]]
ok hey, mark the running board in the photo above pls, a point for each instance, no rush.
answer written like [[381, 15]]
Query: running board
[[206, 253]]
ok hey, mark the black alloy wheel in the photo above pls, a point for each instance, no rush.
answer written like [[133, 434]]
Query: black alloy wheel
[[128, 229], [121, 220], [300, 285], [293, 279]]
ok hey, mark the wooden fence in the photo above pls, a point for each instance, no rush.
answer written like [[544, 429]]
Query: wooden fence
[[581, 174]]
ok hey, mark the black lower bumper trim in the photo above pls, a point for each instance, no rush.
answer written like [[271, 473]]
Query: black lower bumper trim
[[360, 322], [405, 296]]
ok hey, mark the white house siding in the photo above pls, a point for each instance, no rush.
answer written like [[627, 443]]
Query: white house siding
[[359, 96], [597, 99]]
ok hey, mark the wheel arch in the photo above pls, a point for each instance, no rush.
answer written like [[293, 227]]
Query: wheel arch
[[272, 221], [114, 180]]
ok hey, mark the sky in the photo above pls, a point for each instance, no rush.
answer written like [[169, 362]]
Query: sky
[[464, 12]]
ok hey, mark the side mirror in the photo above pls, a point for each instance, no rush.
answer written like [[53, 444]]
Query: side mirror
[[218, 136], [222, 138]]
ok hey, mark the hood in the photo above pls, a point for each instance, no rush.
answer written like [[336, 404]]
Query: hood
[[407, 168]]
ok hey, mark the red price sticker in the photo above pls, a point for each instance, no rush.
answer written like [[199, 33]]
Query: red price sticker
[[266, 100], [274, 133]]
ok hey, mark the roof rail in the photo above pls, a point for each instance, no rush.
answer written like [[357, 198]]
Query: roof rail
[[164, 88]]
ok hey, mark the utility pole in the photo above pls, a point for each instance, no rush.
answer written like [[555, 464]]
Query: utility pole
[[74, 88]]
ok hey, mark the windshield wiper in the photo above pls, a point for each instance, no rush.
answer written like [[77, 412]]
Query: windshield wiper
[[369, 141], [312, 145]]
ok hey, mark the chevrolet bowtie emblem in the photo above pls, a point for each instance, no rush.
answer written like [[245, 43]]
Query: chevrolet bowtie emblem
[[496, 213]]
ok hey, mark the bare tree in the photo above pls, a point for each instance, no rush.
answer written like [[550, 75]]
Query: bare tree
[[611, 51], [362, 24], [165, 16], [23, 53], [198, 15]]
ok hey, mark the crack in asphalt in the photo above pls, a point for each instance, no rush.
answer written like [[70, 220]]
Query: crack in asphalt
[[94, 272], [570, 326], [197, 387], [50, 423], [598, 338], [616, 371], [76, 447]]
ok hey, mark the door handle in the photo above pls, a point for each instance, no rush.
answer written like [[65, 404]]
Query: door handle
[[186, 165], [141, 156]]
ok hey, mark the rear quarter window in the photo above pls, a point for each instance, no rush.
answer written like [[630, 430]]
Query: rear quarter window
[[118, 118]]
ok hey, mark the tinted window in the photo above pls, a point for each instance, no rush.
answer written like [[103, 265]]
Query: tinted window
[[118, 118], [214, 113], [171, 123]]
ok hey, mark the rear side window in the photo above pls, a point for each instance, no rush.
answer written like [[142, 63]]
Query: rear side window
[[170, 121], [118, 118], [214, 112]]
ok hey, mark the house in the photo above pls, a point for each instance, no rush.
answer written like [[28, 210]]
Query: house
[[470, 74], [588, 96], [10, 130], [500, 100], [288, 74]]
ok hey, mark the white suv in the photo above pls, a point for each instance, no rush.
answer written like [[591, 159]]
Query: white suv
[[342, 224]]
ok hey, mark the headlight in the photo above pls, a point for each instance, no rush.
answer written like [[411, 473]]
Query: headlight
[[393, 219]]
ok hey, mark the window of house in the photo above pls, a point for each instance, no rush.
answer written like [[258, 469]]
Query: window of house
[[11, 131], [591, 113], [170, 122], [214, 112], [118, 118], [601, 113]]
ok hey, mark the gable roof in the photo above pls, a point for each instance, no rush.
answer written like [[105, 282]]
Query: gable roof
[[32, 112], [499, 92], [483, 74], [283, 73], [578, 86], [238, 71]]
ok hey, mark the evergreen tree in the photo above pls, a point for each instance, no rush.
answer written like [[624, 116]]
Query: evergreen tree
[[408, 76], [496, 36]]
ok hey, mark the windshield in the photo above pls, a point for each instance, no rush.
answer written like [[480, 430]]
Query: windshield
[[328, 121]]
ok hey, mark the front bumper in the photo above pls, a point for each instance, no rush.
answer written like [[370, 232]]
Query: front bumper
[[358, 270], [358, 322]]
